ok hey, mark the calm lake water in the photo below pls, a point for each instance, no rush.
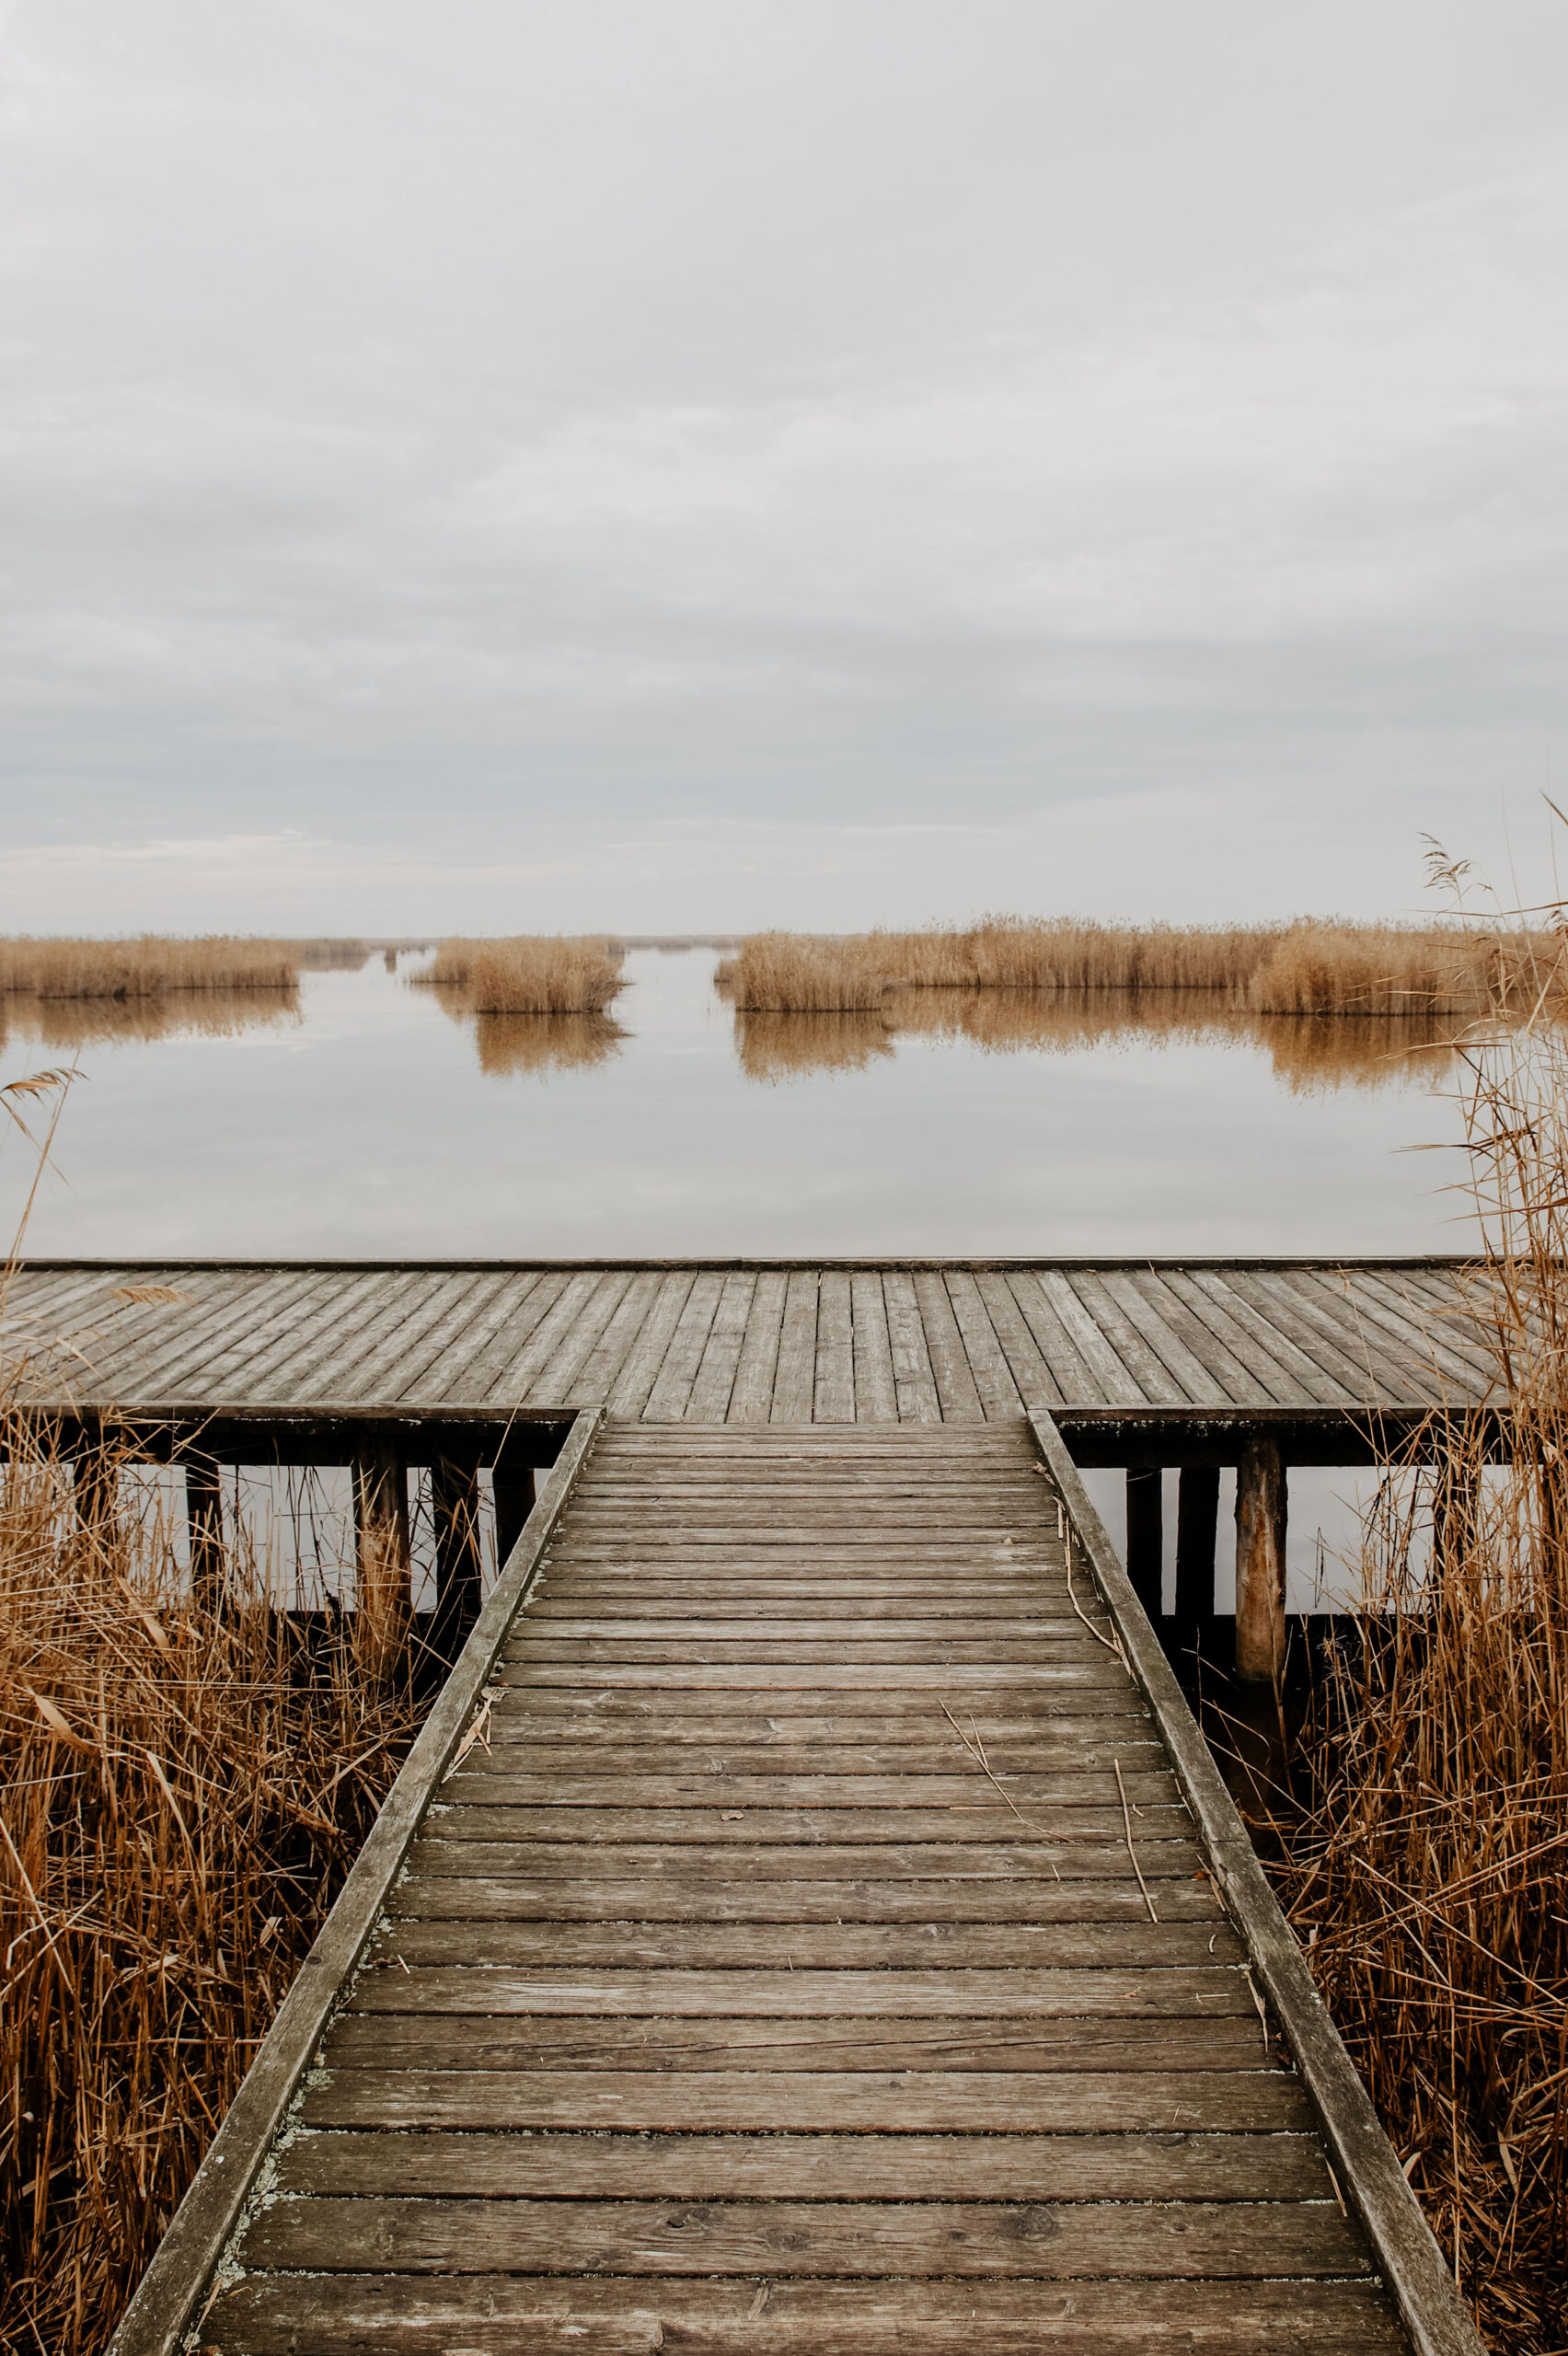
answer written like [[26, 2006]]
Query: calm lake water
[[373, 1119]]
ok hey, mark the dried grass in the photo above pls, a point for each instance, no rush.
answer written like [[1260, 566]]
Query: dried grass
[[185, 1778], [531, 973], [1426, 1857], [147, 967], [1308, 967]]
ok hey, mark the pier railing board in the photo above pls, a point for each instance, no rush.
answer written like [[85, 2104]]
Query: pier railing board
[[1366, 2168], [168, 2300]]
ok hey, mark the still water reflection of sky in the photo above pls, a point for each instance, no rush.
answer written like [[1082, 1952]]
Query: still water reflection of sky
[[373, 1119]]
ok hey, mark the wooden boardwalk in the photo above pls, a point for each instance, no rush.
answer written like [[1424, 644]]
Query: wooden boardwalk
[[816, 1953], [955, 1342]]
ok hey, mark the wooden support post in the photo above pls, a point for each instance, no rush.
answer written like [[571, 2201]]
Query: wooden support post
[[513, 1486], [93, 1486], [1261, 1505], [204, 1530], [1197, 1535], [454, 1508], [381, 1528], [1145, 1538]]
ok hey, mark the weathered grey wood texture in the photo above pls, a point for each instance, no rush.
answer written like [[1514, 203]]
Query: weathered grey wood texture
[[758, 1987], [954, 1342]]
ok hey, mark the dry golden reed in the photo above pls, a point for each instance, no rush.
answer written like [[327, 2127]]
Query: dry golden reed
[[1308, 967], [147, 967], [1427, 1855], [531, 973], [184, 1782]]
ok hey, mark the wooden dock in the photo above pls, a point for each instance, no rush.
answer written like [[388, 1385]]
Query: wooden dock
[[808, 1920], [1114, 1349]]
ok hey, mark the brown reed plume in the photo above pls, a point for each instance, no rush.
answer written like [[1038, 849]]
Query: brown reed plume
[[1426, 1859], [149, 966], [531, 973], [1308, 967]]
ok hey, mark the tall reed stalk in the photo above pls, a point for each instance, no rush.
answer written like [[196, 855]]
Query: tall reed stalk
[[1425, 1861]]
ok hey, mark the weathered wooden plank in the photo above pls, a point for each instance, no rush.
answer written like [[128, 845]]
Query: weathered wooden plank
[[846, 2101], [876, 1389], [985, 1816], [1114, 1384], [493, 1785], [961, 1684], [833, 1395], [1219, 1298], [1021, 1625], [803, 1994], [483, 1374], [1166, 1338], [807, 1859], [630, 1389], [671, 1394], [822, 2167], [715, 1380], [1068, 1368], [794, 1384], [496, 2315], [751, 1400], [957, 1393], [987, 1362], [1159, 1383], [1230, 1379], [593, 1380], [556, 1379], [500, 1304], [959, 1947], [666, 1896], [1032, 1376], [524, 1366], [1253, 1374], [1229, 2241], [1390, 1307], [914, 1383]]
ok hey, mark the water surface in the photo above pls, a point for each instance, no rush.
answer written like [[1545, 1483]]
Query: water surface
[[366, 1117]]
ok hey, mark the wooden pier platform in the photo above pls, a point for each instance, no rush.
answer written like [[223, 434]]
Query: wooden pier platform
[[808, 1920], [1134, 1357]]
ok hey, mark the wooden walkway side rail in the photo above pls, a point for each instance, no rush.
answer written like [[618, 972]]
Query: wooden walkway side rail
[[172, 2292], [1366, 2168]]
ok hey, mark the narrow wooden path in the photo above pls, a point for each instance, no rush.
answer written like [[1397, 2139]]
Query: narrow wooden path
[[778, 1973]]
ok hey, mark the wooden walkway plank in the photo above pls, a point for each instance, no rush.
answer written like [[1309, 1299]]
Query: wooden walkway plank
[[794, 1384], [957, 1391], [671, 1394], [876, 1388], [629, 1391], [594, 1380], [715, 1382], [557, 1381], [987, 1360], [914, 1383], [834, 1390], [751, 1400]]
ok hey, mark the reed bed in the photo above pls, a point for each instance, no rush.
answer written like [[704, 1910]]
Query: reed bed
[[531, 973], [1308, 967], [149, 967], [1423, 1859], [184, 1780]]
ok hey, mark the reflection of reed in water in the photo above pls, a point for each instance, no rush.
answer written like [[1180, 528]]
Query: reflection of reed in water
[[509, 1044], [772, 1048], [70, 1023], [1309, 1053], [545, 1043]]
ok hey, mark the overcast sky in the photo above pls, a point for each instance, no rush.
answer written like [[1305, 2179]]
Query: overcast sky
[[673, 464]]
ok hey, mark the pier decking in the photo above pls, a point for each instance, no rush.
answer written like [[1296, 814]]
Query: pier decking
[[1109, 1347]]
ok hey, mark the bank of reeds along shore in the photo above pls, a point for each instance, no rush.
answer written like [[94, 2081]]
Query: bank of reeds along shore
[[185, 1779], [1423, 1859], [147, 967], [529, 974], [1308, 967]]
